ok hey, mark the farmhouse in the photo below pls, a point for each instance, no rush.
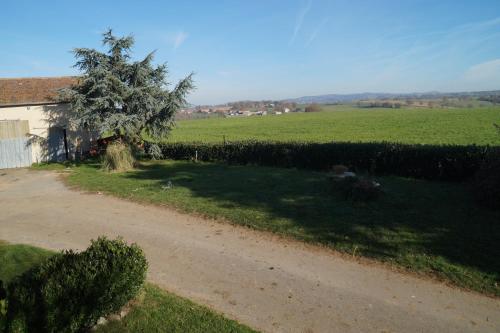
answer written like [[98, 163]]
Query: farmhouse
[[34, 127]]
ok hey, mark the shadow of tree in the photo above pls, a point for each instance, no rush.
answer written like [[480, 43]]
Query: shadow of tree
[[59, 140], [412, 219]]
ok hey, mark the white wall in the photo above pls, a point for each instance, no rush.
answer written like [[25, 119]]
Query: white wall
[[41, 118]]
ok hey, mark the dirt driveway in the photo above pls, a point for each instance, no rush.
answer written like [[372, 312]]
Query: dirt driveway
[[267, 283]]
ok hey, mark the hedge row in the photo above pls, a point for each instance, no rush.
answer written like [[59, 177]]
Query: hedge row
[[436, 162]]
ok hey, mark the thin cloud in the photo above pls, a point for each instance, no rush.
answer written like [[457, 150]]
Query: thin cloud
[[458, 30], [316, 31], [421, 50], [473, 26], [179, 39], [484, 71], [300, 19]]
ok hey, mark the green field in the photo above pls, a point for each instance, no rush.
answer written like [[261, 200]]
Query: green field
[[426, 227], [343, 123]]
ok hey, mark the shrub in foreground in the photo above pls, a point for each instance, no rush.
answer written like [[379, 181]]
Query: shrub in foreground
[[70, 291], [118, 157]]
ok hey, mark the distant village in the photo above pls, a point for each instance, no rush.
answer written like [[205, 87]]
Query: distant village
[[362, 101], [239, 109]]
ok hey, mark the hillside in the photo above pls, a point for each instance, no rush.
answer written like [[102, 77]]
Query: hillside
[[348, 98]]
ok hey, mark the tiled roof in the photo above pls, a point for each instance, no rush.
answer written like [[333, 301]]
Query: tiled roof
[[34, 90]]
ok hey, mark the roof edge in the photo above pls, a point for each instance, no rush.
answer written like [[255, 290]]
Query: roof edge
[[31, 104], [39, 77]]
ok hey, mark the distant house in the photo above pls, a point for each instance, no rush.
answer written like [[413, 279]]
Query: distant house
[[222, 109], [34, 127]]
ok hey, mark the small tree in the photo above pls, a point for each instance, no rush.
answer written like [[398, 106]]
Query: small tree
[[124, 97]]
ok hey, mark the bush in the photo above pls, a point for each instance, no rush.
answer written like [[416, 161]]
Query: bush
[[357, 189], [487, 184], [118, 157], [3, 309], [70, 291], [365, 190], [344, 185], [434, 162], [339, 169], [313, 108]]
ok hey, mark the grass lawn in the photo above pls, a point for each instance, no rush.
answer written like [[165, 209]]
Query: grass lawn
[[157, 311], [163, 312], [342, 123], [426, 227], [15, 259]]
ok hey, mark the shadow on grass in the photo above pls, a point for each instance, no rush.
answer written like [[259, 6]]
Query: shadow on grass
[[91, 162], [413, 221]]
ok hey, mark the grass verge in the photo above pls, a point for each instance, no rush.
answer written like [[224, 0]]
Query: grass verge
[[157, 311], [161, 311], [432, 228]]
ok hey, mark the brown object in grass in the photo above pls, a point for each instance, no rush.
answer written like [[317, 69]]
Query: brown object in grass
[[339, 169]]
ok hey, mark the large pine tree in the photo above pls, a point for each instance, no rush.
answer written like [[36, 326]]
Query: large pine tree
[[124, 97]]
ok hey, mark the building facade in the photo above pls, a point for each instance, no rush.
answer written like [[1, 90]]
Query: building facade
[[34, 127]]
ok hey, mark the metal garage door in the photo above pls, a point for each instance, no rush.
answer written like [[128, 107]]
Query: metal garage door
[[15, 149]]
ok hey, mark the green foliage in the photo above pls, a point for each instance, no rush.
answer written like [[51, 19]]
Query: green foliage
[[118, 157], [3, 305], [15, 259], [487, 184], [418, 161], [153, 310], [487, 181], [343, 123], [123, 97], [69, 292]]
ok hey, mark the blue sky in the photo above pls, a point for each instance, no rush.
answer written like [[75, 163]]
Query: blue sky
[[270, 49]]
